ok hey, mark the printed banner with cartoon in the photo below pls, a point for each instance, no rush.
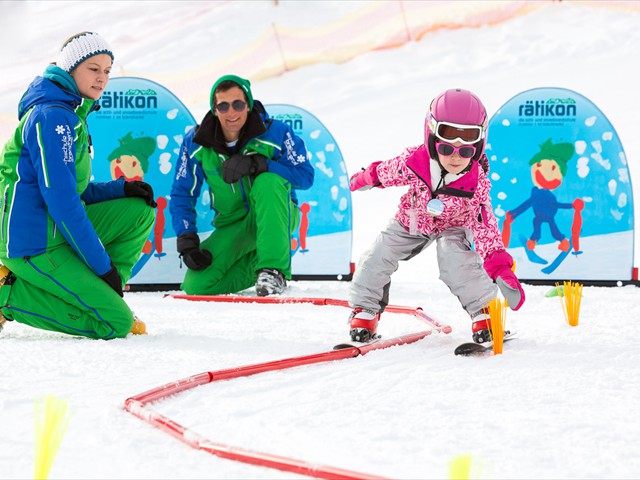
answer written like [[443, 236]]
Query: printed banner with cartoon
[[322, 245], [561, 187], [137, 135]]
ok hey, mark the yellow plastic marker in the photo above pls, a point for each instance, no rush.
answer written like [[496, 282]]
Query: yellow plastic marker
[[498, 316], [51, 421], [460, 468], [571, 302]]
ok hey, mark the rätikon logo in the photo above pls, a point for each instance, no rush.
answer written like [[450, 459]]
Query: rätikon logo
[[293, 120], [133, 98], [552, 107]]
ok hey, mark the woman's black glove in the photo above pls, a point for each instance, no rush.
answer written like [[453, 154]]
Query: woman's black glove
[[238, 166], [136, 188], [112, 277], [189, 249]]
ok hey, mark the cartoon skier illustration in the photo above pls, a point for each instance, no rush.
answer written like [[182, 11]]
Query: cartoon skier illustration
[[131, 158], [131, 161], [548, 168], [299, 241]]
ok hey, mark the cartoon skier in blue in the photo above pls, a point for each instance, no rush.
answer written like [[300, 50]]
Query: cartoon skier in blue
[[548, 168]]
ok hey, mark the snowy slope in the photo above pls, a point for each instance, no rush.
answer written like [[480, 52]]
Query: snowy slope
[[560, 402]]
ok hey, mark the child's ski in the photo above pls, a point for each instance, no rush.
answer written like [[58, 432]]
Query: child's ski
[[472, 348]]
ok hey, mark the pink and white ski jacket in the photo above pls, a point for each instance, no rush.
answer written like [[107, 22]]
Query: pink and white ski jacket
[[467, 201]]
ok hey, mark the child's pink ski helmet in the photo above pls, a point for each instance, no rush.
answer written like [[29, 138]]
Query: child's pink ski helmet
[[456, 113]]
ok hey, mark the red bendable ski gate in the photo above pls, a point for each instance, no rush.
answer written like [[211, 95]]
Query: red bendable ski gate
[[139, 405]]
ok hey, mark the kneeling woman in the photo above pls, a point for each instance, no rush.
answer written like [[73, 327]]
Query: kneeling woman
[[67, 245]]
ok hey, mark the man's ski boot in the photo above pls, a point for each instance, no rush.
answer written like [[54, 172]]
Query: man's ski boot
[[270, 282], [364, 325]]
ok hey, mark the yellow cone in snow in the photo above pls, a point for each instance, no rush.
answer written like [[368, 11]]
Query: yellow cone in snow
[[51, 421]]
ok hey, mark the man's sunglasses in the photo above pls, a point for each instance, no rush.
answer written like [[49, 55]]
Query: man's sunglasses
[[237, 105]]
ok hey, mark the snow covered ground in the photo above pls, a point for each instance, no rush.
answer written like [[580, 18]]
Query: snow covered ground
[[561, 402]]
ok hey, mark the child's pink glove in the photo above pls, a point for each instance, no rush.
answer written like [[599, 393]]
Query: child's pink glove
[[365, 179], [498, 265]]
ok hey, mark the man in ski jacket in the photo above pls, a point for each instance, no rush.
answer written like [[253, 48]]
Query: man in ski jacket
[[69, 243], [252, 166]]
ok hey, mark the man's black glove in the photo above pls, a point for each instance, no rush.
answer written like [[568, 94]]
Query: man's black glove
[[238, 166], [136, 188], [112, 277], [189, 249]]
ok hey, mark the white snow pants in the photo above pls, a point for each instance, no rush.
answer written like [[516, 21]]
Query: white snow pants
[[460, 267]]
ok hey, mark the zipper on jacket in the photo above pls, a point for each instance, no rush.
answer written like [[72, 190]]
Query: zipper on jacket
[[4, 211], [244, 195], [90, 146], [224, 158], [413, 216]]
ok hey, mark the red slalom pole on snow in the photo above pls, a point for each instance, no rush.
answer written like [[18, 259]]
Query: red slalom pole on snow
[[138, 405], [319, 301], [254, 299]]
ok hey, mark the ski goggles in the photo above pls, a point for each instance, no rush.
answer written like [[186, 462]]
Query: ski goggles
[[464, 151], [455, 132], [237, 105]]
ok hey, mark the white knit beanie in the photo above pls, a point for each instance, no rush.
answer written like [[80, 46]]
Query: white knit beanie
[[80, 47]]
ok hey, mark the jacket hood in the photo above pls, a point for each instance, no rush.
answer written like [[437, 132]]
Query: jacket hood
[[45, 91], [209, 132]]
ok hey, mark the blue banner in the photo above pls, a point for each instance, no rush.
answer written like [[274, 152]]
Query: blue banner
[[561, 187], [137, 134], [322, 245]]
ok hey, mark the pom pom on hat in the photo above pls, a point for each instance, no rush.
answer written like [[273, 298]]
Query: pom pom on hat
[[80, 47]]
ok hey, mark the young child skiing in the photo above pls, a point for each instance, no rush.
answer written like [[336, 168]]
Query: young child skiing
[[447, 202]]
